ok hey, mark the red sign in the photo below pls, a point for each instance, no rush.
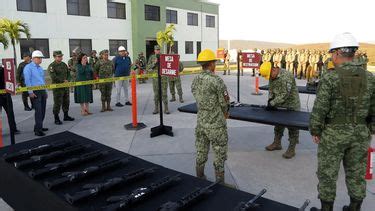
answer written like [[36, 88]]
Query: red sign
[[250, 60], [220, 53], [9, 76], [169, 64]]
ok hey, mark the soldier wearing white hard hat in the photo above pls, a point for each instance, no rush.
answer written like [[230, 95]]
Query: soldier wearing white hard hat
[[34, 76]]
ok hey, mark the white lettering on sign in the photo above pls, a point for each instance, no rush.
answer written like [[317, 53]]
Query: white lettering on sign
[[169, 58], [169, 65], [9, 78], [8, 65], [169, 72]]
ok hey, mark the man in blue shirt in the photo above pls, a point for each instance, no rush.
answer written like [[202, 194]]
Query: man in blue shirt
[[34, 76], [122, 64]]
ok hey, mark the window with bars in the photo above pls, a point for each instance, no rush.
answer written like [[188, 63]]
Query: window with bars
[[171, 16], [32, 5], [30, 45], [116, 10], [78, 7], [210, 21], [152, 13], [192, 19], [80, 45]]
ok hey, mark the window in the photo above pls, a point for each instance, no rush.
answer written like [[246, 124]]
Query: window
[[174, 47], [30, 45], [80, 45], [189, 47], [152, 13], [172, 16], [116, 10], [192, 19], [32, 5], [114, 44], [78, 7], [210, 21]]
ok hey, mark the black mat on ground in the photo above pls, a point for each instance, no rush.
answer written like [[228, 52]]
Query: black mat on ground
[[295, 119], [301, 89], [24, 193]]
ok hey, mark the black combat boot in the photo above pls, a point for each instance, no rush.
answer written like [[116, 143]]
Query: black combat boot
[[326, 206], [200, 172], [67, 117], [355, 205], [57, 120]]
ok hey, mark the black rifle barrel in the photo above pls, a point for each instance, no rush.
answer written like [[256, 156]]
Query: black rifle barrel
[[243, 206], [123, 202], [95, 189], [25, 153], [40, 159], [69, 177], [56, 167], [304, 206]]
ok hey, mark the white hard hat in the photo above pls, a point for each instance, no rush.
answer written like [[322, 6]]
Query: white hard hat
[[121, 48], [37, 54], [343, 40]]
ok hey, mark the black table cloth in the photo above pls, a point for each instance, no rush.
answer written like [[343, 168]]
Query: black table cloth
[[26, 194], [294, 119]]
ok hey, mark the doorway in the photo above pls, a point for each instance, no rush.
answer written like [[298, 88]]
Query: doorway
[[199, 48]]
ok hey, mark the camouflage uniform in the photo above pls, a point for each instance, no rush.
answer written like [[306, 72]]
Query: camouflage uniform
[[152, 68], [345, 99], [21, 80], [313, 67], [283, 93], [302, 62], [72, 63], [59, 73], [209, 91], [289, 60], [104, 69], [176, 82], [142, 67], [92, 61], [226, 63]]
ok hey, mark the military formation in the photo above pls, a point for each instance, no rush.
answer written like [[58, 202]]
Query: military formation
[[307, 64]]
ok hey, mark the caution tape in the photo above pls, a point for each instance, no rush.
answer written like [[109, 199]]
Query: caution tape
[[91, 82]]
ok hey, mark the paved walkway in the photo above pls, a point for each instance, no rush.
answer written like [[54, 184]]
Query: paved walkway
[[249, 166]]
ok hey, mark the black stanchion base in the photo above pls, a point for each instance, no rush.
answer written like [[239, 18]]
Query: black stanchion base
[[140, 126], [161, 130]]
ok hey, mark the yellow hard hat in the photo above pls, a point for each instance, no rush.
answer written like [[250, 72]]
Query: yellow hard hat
[[330, 65], [265, 70], [206, 55]]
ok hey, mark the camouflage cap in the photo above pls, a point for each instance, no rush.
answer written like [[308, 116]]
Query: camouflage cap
[[57, 53], [156, 47], [103, 52]]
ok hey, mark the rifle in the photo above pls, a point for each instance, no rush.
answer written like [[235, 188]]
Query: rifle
[[243, 206], [25, 153], [92, 190], [41, 159], [269, 108], [56, 167], [304, 206], [69, 177], [140, 194], [188, 199]]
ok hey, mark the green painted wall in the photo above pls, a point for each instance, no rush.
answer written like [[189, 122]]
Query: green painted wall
[[143, 30]]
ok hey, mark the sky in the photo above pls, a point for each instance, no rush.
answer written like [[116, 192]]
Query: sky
[[296, 21]]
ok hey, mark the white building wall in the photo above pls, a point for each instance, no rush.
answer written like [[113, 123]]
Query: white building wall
[[184, 32], [59, 27]]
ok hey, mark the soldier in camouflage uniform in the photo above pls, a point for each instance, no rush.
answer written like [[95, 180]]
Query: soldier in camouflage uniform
[[21, 80], [59, 73], [72, 63], [302, 62], [226, 62], [289, 60], [341, 124], [176, 82], [212, 99], [283, 93], [104, 69], [142, 67], [92, 61], [153, 68]]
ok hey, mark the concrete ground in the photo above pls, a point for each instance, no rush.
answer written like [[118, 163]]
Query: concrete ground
[[249, 167]]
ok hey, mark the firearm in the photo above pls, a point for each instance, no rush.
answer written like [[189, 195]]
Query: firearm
[[140, 194], [69, 177], [270, 108], [188, 199], [25, 153], [56, 167], [304, 206], [92, 190], [41, 159], [243, 206]]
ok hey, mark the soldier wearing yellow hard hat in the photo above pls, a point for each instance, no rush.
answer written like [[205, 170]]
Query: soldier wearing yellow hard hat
[[283, 93], [212, 98]]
